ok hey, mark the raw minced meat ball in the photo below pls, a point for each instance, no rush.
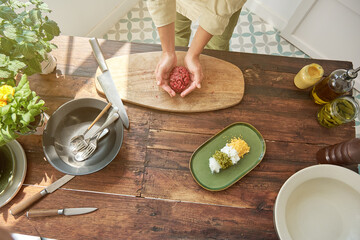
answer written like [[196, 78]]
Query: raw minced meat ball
[[179, 79]]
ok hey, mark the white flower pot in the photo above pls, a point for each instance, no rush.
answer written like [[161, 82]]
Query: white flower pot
[[42, 124], [38, 126], [49, 64]]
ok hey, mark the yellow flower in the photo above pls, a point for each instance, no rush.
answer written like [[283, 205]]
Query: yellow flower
[[5, 90], [2, 103]]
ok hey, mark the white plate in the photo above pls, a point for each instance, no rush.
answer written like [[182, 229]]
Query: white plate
[[19, 173], [319, 202]]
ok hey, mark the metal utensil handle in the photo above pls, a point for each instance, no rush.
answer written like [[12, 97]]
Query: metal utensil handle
[[100, 115], [98, 54], [114, 110], [103, 133], [108, 121]]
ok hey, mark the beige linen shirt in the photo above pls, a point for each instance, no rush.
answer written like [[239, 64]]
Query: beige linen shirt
[[213, 15]]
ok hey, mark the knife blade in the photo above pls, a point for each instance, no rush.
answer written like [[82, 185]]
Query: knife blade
[[55, 212], [49, 189], [107, 83]]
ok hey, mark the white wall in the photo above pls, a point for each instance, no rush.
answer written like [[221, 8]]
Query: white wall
[[275, 12], [90, 18]]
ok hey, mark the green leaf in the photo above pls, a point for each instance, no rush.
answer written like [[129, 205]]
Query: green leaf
[[4, 110], [9, 81], [53, 46], [29, 36], [19, 39], [16, 65], [10, 31], [35, 16], [51, 28], [3, 60], [7, 13], [42, 52], [22, 83], [33, 67], [4, 73], [43, 7], [26, 49], [13, 117], [26, 118], [6, 134], [35, 2], [28, 22], [10, 97], [7, 45], [17, 52], [48, 37]]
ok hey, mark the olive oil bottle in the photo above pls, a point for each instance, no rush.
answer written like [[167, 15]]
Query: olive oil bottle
[[338, 83]]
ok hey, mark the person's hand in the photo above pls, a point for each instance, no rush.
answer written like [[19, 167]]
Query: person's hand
[[192, 63], [162, 72]]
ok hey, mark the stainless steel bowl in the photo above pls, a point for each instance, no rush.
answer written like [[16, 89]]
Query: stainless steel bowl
[[70, 119]]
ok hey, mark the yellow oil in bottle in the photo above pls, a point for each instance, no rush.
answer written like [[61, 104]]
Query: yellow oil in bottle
[[322, 93], [338, 83]]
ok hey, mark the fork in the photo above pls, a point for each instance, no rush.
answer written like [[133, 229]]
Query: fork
[[86, 152], [89, 150], [76, 139], [99, 136], [91, 143], [83, 143]]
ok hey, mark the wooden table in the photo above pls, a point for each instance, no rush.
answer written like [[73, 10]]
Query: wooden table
[[148, 191]]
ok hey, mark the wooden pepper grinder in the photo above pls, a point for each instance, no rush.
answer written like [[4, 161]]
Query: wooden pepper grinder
[[347, 152]]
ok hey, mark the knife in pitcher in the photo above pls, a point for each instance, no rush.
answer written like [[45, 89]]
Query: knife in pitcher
[[107, 83], [49, 189], [55, 212]]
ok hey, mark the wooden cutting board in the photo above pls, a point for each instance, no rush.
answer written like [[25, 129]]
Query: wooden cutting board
[[222, 86]]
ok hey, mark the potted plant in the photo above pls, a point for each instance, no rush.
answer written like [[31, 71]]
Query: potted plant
[[25, 35], [20, 110]]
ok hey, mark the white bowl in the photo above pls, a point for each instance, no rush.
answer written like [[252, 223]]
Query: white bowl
[[319, 202]]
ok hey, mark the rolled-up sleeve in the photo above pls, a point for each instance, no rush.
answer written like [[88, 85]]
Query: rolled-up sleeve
[[163, 12], [217, 13]]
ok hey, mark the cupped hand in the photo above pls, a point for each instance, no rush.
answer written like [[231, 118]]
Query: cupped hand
[[162, 72], [192, 63]]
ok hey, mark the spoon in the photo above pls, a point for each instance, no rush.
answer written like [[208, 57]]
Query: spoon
[[76, 139]]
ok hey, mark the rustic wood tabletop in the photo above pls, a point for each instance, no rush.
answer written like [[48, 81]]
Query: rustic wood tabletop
[[147, 191]]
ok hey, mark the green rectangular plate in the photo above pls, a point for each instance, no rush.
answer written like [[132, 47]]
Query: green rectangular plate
[[199, 162]]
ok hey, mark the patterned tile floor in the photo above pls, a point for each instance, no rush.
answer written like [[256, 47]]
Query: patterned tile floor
[[251, 35]]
